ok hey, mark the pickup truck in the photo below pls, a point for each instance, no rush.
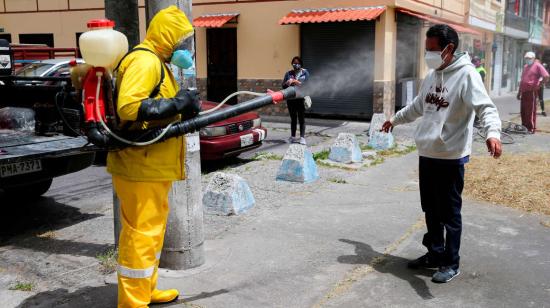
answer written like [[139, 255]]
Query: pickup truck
[[35, 144]]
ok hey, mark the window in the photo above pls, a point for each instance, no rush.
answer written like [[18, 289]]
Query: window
[[37, 38], [5, 36], [513, 6]]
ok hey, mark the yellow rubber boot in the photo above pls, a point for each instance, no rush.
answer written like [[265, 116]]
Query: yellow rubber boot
[[164, 296]]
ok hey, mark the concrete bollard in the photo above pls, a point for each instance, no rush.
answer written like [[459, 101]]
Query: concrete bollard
[[298, 165], [227, 194], [346, 149], [376, 123], [381, 141]]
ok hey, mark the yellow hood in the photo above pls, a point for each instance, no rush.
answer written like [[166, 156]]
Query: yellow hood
[[166, 30]]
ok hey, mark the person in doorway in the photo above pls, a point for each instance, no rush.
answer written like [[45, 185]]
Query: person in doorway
[[451, 94], [529, 90], [541, 92], [148, 96], [296, 108], [476, 61]]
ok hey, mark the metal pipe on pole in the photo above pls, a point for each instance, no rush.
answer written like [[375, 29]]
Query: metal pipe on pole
[[125, 14], [184, 239]]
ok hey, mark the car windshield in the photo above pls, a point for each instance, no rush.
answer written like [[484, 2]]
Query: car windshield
[[34, 69]]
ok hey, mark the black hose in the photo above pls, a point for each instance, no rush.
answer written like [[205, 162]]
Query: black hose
[[96, 136]]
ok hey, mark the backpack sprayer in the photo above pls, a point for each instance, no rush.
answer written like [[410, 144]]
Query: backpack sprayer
[[103, 48]]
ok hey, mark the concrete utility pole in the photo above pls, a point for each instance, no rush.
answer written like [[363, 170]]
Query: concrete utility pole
[[184, 239], [125, 14]]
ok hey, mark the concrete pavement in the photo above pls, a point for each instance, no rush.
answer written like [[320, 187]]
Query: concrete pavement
[[323, 244]]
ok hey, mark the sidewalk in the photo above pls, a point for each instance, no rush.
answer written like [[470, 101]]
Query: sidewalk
[[327, 244]]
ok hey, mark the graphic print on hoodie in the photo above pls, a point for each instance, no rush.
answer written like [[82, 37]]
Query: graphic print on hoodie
[[447, 102]]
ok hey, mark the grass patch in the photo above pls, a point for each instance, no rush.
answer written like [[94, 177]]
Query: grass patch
[[108, 260], [365, 147], [22, 286], [516, 181], [337, 181], [396, 151], [267, 156], [321, 155], [377, 161]]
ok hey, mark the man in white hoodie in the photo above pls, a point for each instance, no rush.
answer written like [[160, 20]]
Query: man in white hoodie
[[450, 96]]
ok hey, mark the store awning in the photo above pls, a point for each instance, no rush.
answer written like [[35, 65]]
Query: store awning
[[458, 28], [332, 15], [214, 20]]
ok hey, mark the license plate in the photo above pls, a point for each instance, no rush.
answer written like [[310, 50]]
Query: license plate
[[247, 140], [23, 167]]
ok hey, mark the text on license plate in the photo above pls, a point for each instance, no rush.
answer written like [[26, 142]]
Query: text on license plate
[[7, 170], [247, 140]]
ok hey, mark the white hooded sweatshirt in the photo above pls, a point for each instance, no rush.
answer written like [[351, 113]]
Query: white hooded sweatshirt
[[446, 101]]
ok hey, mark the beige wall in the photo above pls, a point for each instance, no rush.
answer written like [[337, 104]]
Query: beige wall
[[22, 17], [265, 48]]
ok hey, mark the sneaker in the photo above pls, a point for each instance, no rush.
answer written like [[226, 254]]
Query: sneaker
[[303, 140], [544, 113], [291, 139], [445, 274], [422, 262]]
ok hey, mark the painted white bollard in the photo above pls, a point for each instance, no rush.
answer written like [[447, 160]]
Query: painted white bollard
[[346, 149], [298, 165], [379, 140], [227, 194]]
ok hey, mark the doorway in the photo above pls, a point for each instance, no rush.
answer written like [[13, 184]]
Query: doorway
[[221, 45]]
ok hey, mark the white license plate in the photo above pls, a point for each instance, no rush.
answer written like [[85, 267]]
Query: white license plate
[[23, 167], [247, 140]]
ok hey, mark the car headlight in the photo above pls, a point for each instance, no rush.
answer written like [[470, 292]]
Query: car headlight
[[213, 131], [257, 122]]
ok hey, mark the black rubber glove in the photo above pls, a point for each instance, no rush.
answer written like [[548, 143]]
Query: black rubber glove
[[186, 102]]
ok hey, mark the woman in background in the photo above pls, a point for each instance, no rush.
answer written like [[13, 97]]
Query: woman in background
[[295, 78]]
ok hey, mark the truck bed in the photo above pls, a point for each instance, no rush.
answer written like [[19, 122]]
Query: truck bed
[[16, 146]]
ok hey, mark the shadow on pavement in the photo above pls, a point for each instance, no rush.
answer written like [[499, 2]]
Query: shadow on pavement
[[388, 264], [37, 216], [92, 297], [102, 296]]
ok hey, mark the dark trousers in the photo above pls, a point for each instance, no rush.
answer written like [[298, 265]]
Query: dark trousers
[[441, 187], [296, 109], [529, 109], [541, 98]]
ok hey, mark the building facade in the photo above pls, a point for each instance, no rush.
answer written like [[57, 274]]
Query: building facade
[[364, 56]]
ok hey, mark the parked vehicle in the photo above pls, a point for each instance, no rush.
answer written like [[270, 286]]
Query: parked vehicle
[[231, 137]]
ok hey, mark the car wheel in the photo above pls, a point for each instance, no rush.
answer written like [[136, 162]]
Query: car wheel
[[29, 191]]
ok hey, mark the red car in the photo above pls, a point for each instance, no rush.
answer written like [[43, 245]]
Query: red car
[[231, 137]]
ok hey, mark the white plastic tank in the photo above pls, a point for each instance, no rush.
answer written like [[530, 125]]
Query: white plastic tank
[[101, 46]]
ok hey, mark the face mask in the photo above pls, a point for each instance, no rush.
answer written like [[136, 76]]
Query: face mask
[[296, 66], [433, 58], [530, 62], [182, 58]]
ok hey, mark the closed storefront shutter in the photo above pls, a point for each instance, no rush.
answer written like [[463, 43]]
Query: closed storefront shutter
[[340, 59]]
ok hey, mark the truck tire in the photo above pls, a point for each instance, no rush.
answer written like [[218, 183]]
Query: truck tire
[[29, 191]]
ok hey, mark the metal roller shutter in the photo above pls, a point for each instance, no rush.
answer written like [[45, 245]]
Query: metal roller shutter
[[331, 50]]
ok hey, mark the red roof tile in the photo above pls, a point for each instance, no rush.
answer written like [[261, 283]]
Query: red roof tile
[[332, 15], [434, 20], [214, 20]]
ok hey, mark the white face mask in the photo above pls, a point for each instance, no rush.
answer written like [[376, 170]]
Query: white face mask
[[433, 59]]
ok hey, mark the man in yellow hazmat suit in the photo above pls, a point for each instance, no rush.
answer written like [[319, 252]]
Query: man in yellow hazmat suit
[[148, 96]]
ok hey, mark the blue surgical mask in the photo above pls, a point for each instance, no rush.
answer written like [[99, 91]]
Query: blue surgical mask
[[530, 61], [182, 58]]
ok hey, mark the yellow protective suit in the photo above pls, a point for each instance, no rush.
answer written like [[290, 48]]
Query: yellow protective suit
[[138, 74], [142, 176]]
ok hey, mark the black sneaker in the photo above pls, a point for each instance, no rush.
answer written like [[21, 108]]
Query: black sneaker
[[445, 274], [422, 262], [544, 113]]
